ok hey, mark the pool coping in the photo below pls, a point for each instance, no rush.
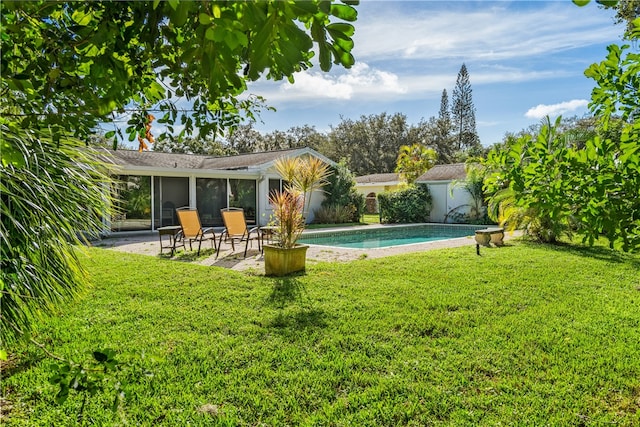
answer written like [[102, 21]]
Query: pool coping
[[368, 228], [148, 244]]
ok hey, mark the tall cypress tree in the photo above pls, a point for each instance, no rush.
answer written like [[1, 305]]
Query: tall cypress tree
[[464, 113], [443, 139]]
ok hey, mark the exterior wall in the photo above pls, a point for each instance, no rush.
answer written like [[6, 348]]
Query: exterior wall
[[375, 188], [365, 189], [260, 174], [264, 208], [444, 200]]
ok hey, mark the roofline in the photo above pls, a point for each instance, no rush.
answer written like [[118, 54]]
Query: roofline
[[370, 184], [438, 181], [258, 168], [294, 153], [157, 171]]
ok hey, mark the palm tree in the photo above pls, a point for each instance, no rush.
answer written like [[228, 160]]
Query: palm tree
[[415, 160], [52, 193], [305, 175]]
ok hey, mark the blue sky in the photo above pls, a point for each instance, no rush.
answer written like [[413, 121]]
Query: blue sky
[[525, 59]]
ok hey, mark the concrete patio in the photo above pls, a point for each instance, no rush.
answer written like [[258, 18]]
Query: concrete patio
[[148, 243]]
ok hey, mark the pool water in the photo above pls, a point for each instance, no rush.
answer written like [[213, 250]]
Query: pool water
[[387, 236]]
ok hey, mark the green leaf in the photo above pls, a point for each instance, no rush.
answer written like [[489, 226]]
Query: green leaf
[[81, 18], [340, 27], [63, 394], [11, 156], [325, 6], [345, 12], [609, 3], [54, 73], [110, 134], [346, 44], [3, 354], [304, 6], [210, 34], [181, 14], [204, 19], [217, 12], [325, 56], [581, 2], [100, 356]]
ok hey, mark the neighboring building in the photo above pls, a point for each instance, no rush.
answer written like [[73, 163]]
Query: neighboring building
[[445, 193], [152, 185], [372, 185]]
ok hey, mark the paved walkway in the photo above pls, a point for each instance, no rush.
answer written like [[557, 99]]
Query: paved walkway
[[149, 244]]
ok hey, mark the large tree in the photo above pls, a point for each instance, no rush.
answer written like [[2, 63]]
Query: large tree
[[192, 145], [66, 66], [463, 113], [69, 65], [370, 144], [554, 182], [443, 139], [415, 160]]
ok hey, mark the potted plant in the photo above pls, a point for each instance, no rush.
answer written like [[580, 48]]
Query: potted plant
[[285, 255], [305, 175]]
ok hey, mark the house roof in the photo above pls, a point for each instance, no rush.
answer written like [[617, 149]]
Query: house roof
[[444, 173], [378, 178], [159, 160]]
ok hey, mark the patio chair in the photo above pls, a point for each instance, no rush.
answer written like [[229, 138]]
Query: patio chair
[[192, 230], [236, 229]]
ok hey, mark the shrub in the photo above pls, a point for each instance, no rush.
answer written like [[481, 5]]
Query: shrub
[[341, 197], [412, 204], [335, 214]]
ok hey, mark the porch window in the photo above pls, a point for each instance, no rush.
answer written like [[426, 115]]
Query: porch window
[[132, 196], [211, 196], [278, 185], [169, 193], [243, 194], [275, 185]]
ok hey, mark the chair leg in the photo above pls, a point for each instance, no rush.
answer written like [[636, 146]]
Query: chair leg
[[246, 246], [219, 245]]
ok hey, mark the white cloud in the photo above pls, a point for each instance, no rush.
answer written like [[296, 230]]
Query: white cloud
[[480, 32], [554, 110], [314, 85], [361, 81]]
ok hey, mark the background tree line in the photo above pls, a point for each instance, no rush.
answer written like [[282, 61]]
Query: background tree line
[[368, 145]]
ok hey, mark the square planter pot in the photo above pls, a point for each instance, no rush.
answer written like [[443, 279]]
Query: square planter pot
[[280, 262]]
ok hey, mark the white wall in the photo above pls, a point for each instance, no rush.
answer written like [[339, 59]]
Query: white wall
[[365, 189], [264, 208], [443, 200]]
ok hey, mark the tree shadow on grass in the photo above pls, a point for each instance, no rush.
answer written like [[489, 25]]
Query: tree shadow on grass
[[189, 255], [599, 252], [297, 321], [288, 292]]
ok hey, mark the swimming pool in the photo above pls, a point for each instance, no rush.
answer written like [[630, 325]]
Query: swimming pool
[[386, 236]]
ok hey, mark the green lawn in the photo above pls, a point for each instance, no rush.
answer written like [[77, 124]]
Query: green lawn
[[367, 219], [522, 335]]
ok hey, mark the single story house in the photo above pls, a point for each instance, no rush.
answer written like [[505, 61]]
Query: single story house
[[151, 185], [372, 185], [447, 191]]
